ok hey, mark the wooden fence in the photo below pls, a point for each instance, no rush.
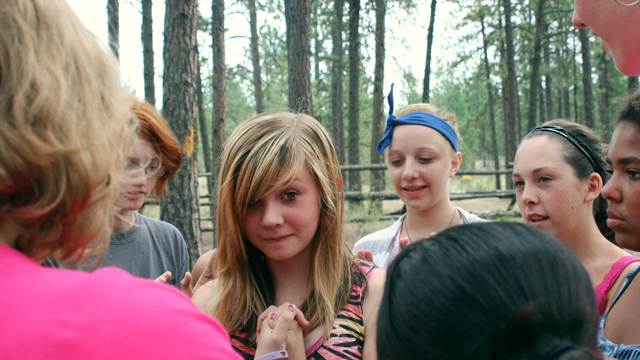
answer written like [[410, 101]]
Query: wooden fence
[[391, 195]]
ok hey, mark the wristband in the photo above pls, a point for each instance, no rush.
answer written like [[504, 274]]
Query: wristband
[[276, 355]]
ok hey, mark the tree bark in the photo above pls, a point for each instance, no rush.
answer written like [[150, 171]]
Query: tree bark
[[337, 75], [204, 132], [604, 96], [587, 84], [534, 82], [255, 58], [548, 83], [427, 68], [181, 207], [353, 177], [147, 52], [492, 120], [298, 19], [512, 79], [378, 120], [113, 26], [219, 115]]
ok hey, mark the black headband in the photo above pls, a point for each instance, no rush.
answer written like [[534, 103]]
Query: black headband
[[576, 141]]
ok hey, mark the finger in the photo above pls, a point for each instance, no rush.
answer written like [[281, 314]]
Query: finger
[[433, 234], [368, 255], [185, 285], [265, 314], [164, 278], [404, 242], [299, 316]]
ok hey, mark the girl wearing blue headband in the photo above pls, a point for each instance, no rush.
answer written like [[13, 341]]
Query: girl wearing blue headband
[[422, 155]]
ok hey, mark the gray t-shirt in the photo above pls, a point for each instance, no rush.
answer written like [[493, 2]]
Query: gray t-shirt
[[147, 250]]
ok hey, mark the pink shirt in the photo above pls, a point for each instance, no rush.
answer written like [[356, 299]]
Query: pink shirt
[[48, 313]]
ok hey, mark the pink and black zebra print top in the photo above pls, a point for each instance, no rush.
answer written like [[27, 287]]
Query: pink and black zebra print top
[[346, 338]]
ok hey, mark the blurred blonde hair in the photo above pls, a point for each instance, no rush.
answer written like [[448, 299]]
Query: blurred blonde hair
[[64, 117], [262, 154]]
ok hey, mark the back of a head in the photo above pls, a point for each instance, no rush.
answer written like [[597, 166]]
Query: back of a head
[[487, 291], [63, 120]]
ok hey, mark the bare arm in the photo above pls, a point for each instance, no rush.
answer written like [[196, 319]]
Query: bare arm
[[373, 298]]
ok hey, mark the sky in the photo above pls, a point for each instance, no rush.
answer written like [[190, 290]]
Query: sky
[[405, 38]]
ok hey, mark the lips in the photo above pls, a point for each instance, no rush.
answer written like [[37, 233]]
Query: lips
[[537, 219], [413, 190], [614, 220]]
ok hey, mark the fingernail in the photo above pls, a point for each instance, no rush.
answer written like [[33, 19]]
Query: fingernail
[[291, 308], [273, 316]]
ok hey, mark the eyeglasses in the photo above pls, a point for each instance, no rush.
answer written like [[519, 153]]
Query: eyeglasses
[[627, 2], [153, 170]]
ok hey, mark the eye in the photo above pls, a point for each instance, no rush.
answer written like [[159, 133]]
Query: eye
[[544, 179], [290, 195], [518, 183], [153, 167], [395, 162], [633, 174], [426, 159], [252, 203], [131, 166]]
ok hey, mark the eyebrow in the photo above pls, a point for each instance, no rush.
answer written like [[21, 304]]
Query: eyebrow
[[536, 170], [628, 160]]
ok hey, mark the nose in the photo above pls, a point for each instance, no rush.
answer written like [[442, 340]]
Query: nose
[[139, 178], [528, 196], [410, 170], [611, 190], [271, 214], [577, 22]]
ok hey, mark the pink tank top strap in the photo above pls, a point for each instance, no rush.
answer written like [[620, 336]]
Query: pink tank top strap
[[609, 279]]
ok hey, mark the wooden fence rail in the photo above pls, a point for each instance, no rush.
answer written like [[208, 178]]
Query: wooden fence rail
[[391, 195]]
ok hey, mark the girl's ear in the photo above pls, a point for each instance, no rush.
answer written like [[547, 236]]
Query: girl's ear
[[594, 187], [455, 164]]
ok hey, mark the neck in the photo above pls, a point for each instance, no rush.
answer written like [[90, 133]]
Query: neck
[[421, 224], [123, 221], [292, 279]]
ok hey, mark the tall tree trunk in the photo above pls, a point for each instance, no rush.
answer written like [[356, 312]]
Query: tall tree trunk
[[509, 91], [353, 177], [219, 93], [255, 58], [492, 120], [113, 26], [181, 207], [337, 75], [298, 19], [512, 79], [204, 132], [147, 52], [317, 48], [534, 82], [603, 79], [378, 120], [633, 84], [589, 108], [548, 83], [427, 67]]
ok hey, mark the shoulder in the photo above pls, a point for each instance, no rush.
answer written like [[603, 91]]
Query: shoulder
[[470, 218], [379, 240], [156, 224]]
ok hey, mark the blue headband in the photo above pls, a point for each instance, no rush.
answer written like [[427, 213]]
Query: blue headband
[[416, 118]]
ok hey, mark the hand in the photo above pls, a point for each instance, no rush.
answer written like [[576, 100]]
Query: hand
[[364, 255], [404, 242], [281, 332], [164, 278], [267, 315]]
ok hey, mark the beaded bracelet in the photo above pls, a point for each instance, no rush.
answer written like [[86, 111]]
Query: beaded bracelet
[[276, 355]]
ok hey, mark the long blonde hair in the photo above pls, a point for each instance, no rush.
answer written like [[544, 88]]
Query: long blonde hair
[[63, 120], [261, 155]]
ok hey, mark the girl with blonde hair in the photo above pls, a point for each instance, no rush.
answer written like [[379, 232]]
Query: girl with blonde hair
[[422, 157], [280, 246], [64, 122]]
